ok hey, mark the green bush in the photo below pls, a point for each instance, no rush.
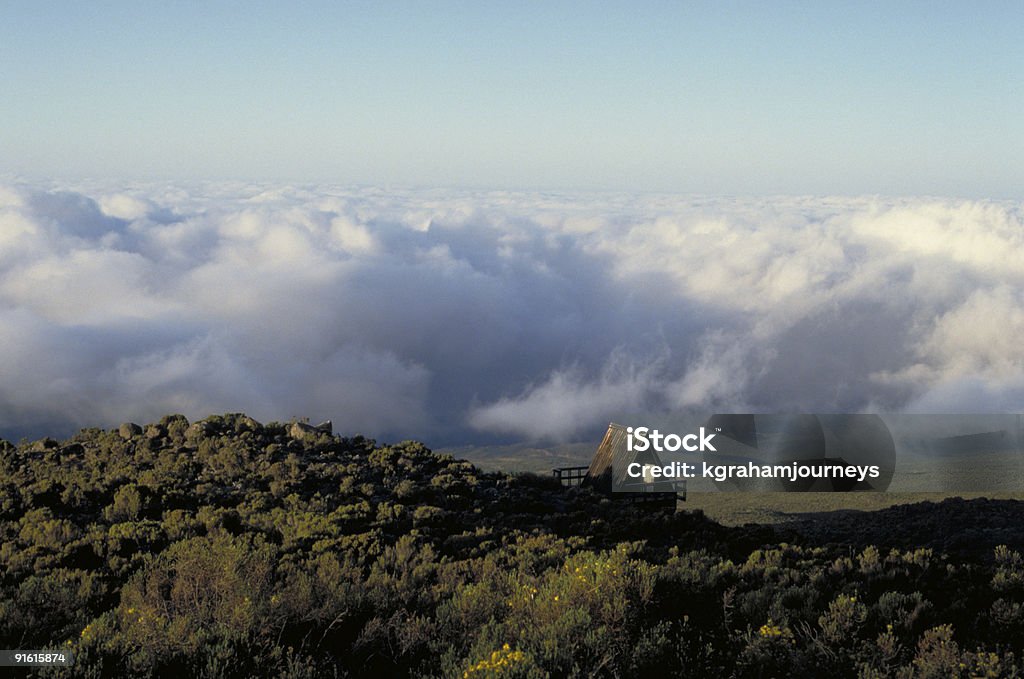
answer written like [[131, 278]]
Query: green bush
[[227, 548]]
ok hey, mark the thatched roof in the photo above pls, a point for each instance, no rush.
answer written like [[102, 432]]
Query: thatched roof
[[608, 468]]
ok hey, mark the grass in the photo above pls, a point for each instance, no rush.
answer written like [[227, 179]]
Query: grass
[[993, 476], [737, 509]]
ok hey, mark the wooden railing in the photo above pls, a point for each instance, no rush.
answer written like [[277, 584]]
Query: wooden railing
[[573, 476], [570, 476]]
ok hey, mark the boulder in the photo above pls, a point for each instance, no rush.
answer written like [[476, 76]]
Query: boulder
[[72, 451], [244, 423], [128, 430], [300, 431], [43, 444]]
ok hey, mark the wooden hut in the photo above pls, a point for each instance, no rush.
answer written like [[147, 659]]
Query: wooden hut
[[607, 472]]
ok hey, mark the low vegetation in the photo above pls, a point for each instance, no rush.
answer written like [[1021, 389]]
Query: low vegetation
[[228, 548]]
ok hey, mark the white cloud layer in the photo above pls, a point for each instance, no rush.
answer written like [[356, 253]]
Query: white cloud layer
[[456, 315]]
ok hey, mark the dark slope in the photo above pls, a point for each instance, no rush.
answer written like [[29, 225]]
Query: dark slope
[[232, 548]]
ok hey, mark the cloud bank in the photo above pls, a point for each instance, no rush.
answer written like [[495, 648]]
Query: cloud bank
[[463, 316]]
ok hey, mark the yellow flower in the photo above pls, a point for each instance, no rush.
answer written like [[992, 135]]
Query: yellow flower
[[499, 659]]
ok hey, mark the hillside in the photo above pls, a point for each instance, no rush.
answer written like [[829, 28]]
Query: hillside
[[227, 547]]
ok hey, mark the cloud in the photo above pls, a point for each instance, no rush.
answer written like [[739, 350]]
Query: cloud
[[458, 316], [567, 401]]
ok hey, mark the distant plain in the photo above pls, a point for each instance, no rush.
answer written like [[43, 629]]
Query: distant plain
[[995, 476]]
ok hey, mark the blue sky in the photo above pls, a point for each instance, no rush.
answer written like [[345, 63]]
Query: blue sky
[[717, 97]]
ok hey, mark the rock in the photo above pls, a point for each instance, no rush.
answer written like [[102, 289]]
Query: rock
[[43, 444], [72, 451], [128, 430], [245, 423], [326, 426], [300, 431], [154, 431]]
